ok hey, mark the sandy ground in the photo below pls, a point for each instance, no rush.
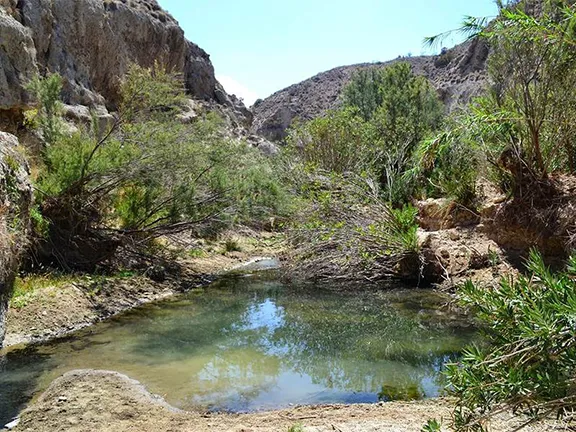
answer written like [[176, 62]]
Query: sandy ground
[[55, 311], [87, 401]]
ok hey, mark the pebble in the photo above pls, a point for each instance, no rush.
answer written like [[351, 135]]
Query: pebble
[[12, 424]]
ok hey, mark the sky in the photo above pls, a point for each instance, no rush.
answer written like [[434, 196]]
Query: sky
[[261, 46]]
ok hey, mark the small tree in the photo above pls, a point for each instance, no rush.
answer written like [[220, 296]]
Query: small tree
[[46, 118], [364, 92], [533, 66], [402, 108]]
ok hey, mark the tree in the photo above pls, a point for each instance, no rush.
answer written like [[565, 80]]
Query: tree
[[364, 92], [533, 66], [409, 111], [402, 108]]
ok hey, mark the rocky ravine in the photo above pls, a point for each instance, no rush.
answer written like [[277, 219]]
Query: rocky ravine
[[91, 43], [458, 74]]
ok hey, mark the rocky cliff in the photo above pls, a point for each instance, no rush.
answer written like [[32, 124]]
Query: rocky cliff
[[15, 199], [91, 43], [458, 74]]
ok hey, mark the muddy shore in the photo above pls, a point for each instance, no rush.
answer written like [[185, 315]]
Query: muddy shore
[[55, 311]]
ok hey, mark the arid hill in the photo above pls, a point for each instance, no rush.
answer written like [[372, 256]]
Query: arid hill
[[458, 74]]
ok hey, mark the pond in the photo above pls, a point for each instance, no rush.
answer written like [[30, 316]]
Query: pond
[[253, 343]]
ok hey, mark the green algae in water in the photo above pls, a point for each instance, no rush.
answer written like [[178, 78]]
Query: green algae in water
[[247, 344]]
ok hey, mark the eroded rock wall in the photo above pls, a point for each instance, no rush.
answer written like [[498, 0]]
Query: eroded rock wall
[[91, 43], [17, 59], [15, 199]]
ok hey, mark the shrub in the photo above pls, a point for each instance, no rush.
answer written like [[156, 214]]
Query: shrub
[[405, 111], [364, 92], [47, 117], [340, 142], [346, 231], [148, 176], [448, 165], [386, 113], [523, 123], [528, 363], [533, 65]]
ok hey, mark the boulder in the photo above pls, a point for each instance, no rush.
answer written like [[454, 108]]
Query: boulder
[[441, 214]]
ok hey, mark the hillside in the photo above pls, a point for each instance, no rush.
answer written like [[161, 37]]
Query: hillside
[[458, 74]]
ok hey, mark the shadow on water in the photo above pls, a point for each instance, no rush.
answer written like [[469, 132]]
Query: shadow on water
[[19, 374], [246, 344]]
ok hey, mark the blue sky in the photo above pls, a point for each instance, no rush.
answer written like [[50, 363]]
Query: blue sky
[[261, 46]]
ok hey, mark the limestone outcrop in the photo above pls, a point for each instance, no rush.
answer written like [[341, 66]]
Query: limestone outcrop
[[91, 43]]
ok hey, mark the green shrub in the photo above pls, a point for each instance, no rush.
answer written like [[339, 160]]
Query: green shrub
[[528, 362], [345, 230], [340, 142], [150, 93], [387, 112], [150, 175], [232, 245], [448, 165], [432, 425]]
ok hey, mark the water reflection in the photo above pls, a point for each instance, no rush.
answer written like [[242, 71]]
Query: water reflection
[[245, 344]]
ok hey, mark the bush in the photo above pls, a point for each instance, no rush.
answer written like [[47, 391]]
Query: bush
[[528, 363], [340, 142], [47, 117], [386, 113], [148, 176], [533, 66], [405, 111], [346, 231], [448, 165]]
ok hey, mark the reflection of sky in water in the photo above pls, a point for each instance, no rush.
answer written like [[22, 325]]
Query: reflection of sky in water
[[264, 315], [246, 344]]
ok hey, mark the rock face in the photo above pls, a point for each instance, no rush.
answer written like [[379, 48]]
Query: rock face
[[17, 59], [91, 43], [458, 74], [15, 199]]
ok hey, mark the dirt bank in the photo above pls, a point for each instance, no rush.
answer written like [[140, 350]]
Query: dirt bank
[[63, 307], [107, 401]]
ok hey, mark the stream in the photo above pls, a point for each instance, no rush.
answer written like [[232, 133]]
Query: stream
[[255, 343]]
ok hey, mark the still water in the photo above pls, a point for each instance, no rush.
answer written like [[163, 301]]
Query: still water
[[251, 343]]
